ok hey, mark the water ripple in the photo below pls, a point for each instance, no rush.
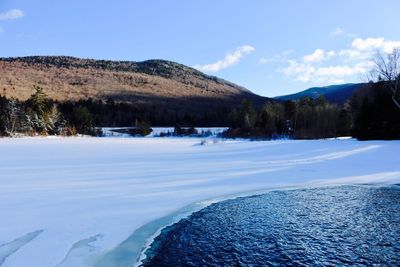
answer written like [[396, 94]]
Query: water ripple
[[342, 225]]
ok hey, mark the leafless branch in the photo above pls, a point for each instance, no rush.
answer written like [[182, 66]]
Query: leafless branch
[[387, 70]]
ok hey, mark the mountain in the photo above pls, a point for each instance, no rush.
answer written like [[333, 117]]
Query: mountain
[[333, 93], [148, 82]]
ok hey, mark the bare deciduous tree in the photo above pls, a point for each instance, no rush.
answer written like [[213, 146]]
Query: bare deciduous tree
[[12, 117], [387, 69]]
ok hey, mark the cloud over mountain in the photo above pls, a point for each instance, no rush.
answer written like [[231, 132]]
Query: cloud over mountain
[[229, 60], [335, 66]]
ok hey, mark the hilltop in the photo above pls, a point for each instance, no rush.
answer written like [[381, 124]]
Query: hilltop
[[151, 81], [333, 93]]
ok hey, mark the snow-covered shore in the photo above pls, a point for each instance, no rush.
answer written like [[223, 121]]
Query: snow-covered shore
[[69, 201]]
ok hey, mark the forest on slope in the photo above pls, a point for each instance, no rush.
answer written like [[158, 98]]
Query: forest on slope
[[152, 82]]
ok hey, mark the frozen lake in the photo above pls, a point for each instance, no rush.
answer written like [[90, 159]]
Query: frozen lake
[[74, 201]]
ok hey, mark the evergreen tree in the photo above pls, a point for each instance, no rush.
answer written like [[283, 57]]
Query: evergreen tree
[[38, 101], [83, 120]]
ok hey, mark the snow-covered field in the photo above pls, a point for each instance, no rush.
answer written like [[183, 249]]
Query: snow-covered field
[[73, 201]]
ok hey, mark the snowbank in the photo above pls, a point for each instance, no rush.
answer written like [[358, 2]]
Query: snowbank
[[69, 201]]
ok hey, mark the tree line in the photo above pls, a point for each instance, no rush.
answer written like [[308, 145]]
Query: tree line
[[40, 115], [301, 119], [369, 114]]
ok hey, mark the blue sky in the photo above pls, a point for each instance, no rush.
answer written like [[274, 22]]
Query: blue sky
[[270, 47]]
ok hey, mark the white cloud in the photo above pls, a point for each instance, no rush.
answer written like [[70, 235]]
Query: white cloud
[[340, 32], [287, 52], [319, 55], [372, 44], [301, 71], [263, 60], [364, 49], [229, 60], [348, 63], [342, 71], [307, 72], [351, 54], [331, 54], [281, 57], [337, 31], [11, 14]]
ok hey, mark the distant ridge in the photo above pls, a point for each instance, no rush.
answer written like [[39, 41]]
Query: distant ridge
[[333, 93]]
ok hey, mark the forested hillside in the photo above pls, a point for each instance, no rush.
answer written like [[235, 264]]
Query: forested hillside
[[152, 82], [334, 93]]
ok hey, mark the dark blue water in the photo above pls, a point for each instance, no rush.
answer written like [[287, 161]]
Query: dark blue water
[[344, 225]]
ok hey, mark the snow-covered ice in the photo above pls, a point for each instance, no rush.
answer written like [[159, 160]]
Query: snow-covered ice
[[72, 201]]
